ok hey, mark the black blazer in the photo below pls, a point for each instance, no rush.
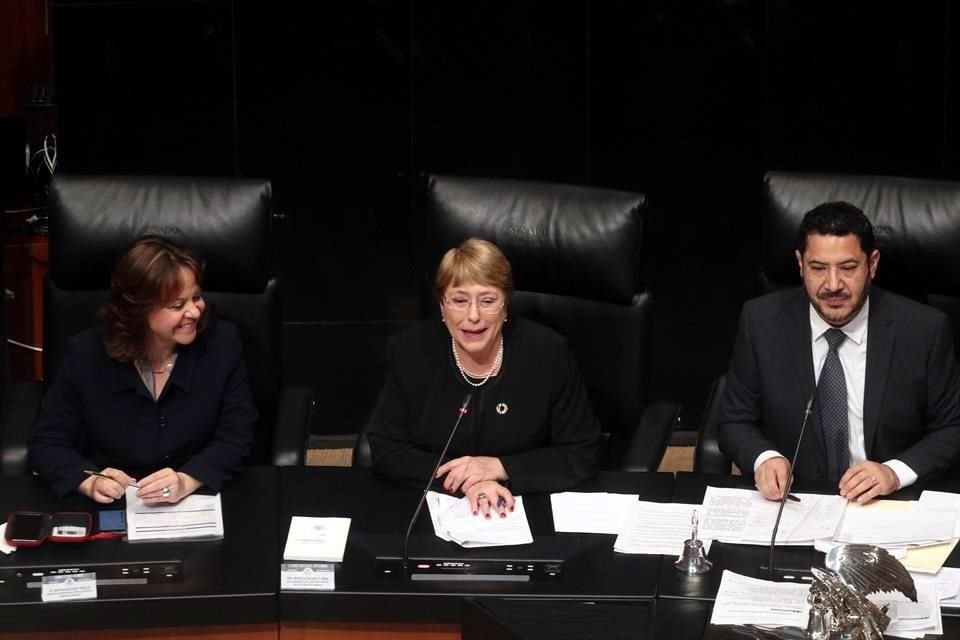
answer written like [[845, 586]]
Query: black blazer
[[911, 408], [544, 432], [98, 413]]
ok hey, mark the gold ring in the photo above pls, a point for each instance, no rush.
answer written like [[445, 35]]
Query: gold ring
[[481, 496]]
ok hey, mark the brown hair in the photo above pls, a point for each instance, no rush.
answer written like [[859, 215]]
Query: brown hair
[[147, 276], [474, 261]]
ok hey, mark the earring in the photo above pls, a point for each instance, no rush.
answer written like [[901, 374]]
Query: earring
[[504, 319], [443, 319]]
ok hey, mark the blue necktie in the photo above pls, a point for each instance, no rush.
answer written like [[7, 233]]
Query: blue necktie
[[832, 398]]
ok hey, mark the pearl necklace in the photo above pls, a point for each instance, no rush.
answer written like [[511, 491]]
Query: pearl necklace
[[463, 372]]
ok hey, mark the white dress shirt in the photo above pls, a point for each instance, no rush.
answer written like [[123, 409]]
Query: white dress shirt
[[853, 357]]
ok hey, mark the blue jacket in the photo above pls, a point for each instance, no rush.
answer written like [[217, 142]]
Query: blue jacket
[[98, 413]]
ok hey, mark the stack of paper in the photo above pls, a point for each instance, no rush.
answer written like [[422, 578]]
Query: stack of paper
[[590, 512], [316, 539], [744, 516], [743, 600], [946, 582], [454, 521], [919, 537], [196, 516], [911, 619], [653, 527]]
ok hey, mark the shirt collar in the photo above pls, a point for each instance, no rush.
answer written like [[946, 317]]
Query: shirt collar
[[856, 329]]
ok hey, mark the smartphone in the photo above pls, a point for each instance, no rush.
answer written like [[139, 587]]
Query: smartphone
[[112, 520], [25, 527]]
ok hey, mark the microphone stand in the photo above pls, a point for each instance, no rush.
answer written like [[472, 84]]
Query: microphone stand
[[786, 491], [423, 498]]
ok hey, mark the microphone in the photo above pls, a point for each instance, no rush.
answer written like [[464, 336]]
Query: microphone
[[786, 491], [406, 539]]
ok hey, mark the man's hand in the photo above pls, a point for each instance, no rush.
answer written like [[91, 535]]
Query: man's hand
[[466, 471], [867, 480], [772, 476]]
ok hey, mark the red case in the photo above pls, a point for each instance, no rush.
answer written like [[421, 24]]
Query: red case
[[51, 527]]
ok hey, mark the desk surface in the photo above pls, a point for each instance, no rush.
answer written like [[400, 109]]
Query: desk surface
[[228, 581], [381, 511], [234, 581]]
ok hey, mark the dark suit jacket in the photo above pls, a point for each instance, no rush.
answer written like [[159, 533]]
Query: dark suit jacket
[[545, 433], [98, 413], [911, 408]]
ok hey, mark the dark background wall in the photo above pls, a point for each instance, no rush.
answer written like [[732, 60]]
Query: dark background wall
[[343, 105]]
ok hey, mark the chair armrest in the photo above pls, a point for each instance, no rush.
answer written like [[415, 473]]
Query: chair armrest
[[708, 458], [294, 410], [361, 451], [21, 400], [649, 440]]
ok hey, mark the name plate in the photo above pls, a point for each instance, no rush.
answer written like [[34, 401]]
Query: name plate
[[307, 576], [75, 586]]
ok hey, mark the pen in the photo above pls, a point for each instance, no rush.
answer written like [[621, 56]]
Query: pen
[[91, 472], [792, 497]]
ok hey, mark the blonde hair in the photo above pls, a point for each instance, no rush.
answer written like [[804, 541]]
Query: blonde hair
[[474, 261]]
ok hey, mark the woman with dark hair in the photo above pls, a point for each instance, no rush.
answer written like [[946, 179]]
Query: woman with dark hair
[[156, 396], [529, 426]]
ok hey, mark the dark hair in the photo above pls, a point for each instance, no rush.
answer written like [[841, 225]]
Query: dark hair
[[146, 276], [837, 219]]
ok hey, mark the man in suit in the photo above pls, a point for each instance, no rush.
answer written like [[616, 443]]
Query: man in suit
[[881, 370]]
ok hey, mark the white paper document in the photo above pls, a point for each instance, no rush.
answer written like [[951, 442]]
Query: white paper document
[[196, 516], [743, 600], [4, 547], [454, 521], [590, 512], [912, 619], [866, 525], [942, 501], [316, 539], [657, 528], [744, 516]]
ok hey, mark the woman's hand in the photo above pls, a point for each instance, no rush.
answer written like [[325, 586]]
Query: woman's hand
[[167, 485], [106, 490], [489, 497], [466, 471]]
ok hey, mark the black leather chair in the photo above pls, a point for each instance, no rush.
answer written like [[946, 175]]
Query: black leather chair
[[227, 221], [577, 256], [917, 226]]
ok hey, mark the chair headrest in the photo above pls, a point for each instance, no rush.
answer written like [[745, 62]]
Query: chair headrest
[[559, 239], [916, 223], [93, 219]]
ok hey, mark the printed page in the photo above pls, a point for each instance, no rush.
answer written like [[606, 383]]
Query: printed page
[[196, 516], [657, 528], [743, 600], [590, 512]]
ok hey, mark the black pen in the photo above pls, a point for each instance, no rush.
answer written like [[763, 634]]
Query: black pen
[[91, 472], [792, 497]]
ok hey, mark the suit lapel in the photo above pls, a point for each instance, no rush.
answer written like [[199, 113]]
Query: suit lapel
[[880, 337], [802, 365]]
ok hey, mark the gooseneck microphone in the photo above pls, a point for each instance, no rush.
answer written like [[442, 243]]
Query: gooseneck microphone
[[786, 491], [406, 539]]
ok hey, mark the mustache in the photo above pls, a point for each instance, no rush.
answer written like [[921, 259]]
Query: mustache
[[834, 295]]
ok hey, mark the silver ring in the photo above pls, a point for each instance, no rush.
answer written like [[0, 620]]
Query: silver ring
[[165, 492], [481, 496], [874, 479]]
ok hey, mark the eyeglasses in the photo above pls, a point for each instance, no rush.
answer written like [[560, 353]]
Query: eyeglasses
[[488, 305]]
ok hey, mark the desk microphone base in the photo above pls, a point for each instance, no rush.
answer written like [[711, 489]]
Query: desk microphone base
[[470, 570]]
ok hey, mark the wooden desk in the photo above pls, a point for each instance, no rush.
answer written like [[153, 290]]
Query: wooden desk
[[25, 259]]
